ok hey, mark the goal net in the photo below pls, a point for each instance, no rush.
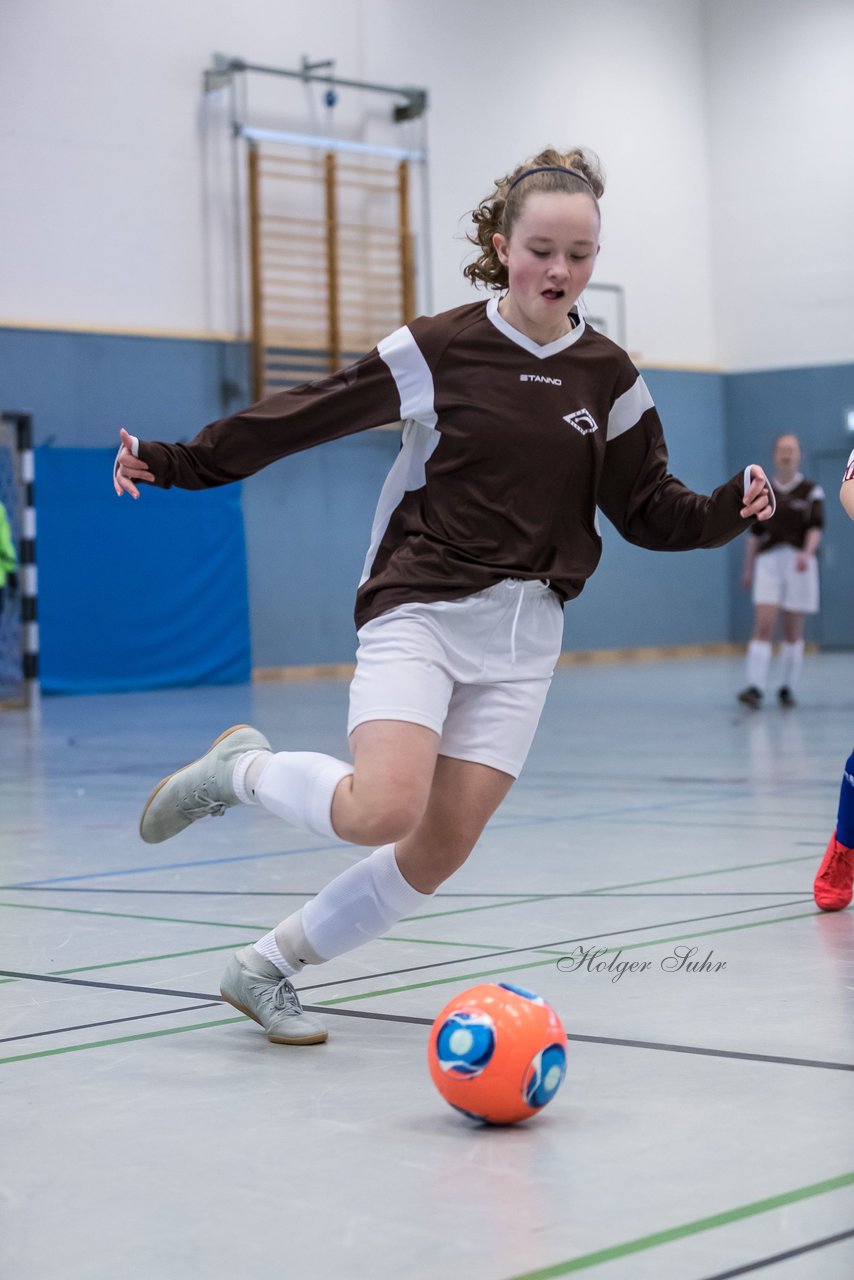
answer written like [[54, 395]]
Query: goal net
[[18, 626]]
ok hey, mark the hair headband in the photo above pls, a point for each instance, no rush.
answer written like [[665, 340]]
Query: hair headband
[[548, 168]]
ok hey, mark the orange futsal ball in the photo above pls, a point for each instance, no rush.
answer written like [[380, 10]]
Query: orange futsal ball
[[497, 1053]]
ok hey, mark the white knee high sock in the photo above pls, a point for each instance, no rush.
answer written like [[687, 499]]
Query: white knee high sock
[[791, 661], [360, 904], [758, 662], [299, 786]]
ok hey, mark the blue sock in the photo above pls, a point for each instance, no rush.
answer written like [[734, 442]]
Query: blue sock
[[845, 819]]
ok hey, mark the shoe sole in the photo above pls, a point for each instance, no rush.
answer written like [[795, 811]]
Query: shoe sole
[[319, 1038], [162, 783], [830, 906], [823, 890]]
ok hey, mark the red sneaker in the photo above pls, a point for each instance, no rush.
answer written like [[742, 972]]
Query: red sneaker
[[834, 884]]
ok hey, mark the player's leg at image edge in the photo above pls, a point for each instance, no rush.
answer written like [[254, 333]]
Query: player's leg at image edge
[[834, 884]]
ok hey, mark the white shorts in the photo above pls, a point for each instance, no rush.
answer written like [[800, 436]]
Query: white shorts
[[476, 671], [777, 581]]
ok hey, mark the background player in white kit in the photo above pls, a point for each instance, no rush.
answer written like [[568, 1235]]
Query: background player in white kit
[[519, 421], [780, 565], [834, 884]]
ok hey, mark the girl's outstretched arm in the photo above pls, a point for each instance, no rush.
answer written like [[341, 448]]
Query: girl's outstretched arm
[[128, 469]]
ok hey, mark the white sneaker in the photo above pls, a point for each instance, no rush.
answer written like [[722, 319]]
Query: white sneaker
[[201, 789], [254, 986]]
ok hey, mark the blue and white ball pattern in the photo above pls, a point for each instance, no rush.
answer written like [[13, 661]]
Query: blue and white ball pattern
[[466, 1043], [545, 1075], [523, 992]]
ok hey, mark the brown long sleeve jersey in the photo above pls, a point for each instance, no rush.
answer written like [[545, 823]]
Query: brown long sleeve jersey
[[507, 450], [800, 507]]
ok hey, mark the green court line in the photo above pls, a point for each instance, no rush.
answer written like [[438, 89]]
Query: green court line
[[262, 928], [693, 875], [656, 1238], [490, 906], [633, 884], [460, 979], [592, 893], [603, 890], [198, 951], [132, 915], [101, 1044], [538, 964], [121, 964], [475, 946], [229, 946], [433, 915], [436, 982]]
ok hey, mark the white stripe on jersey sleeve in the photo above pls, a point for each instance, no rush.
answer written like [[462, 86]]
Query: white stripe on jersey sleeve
[[411, 374], [408, 472], [816, 493], [628, 408]]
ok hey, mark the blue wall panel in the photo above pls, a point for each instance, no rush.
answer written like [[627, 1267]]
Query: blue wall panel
[[308, 525], [809, 402], [136, 595], [307, 519], [639, 598], [82, 387], [308, 522]]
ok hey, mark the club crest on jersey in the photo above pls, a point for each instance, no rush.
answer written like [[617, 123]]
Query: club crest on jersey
[[582, 421], [538, 377]]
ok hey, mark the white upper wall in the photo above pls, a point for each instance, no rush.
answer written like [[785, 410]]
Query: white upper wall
[[118, 200], [781, 130], [621, 76]]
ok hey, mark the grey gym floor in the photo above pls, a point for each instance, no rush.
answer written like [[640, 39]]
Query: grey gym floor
[[705, 1128]]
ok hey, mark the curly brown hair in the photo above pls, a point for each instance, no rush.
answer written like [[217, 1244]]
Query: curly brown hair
[[500, 211]]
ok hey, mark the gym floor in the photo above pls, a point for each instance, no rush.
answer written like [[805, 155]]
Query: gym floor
[[705, 1128]]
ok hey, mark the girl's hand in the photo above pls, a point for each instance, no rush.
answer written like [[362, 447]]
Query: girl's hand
[[757, 498], [128, 470]]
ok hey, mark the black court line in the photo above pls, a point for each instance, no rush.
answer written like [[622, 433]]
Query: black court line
[[620, 1043], [614, 1041], [442, 964], [781, 1257], [108, 986], [550, 946], [311, 893], [111, 1022], [710, 1053], [374, 1017]]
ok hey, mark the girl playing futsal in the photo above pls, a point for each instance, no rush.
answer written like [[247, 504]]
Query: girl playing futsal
[[781, 568], [519, 420], [834, 884]]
